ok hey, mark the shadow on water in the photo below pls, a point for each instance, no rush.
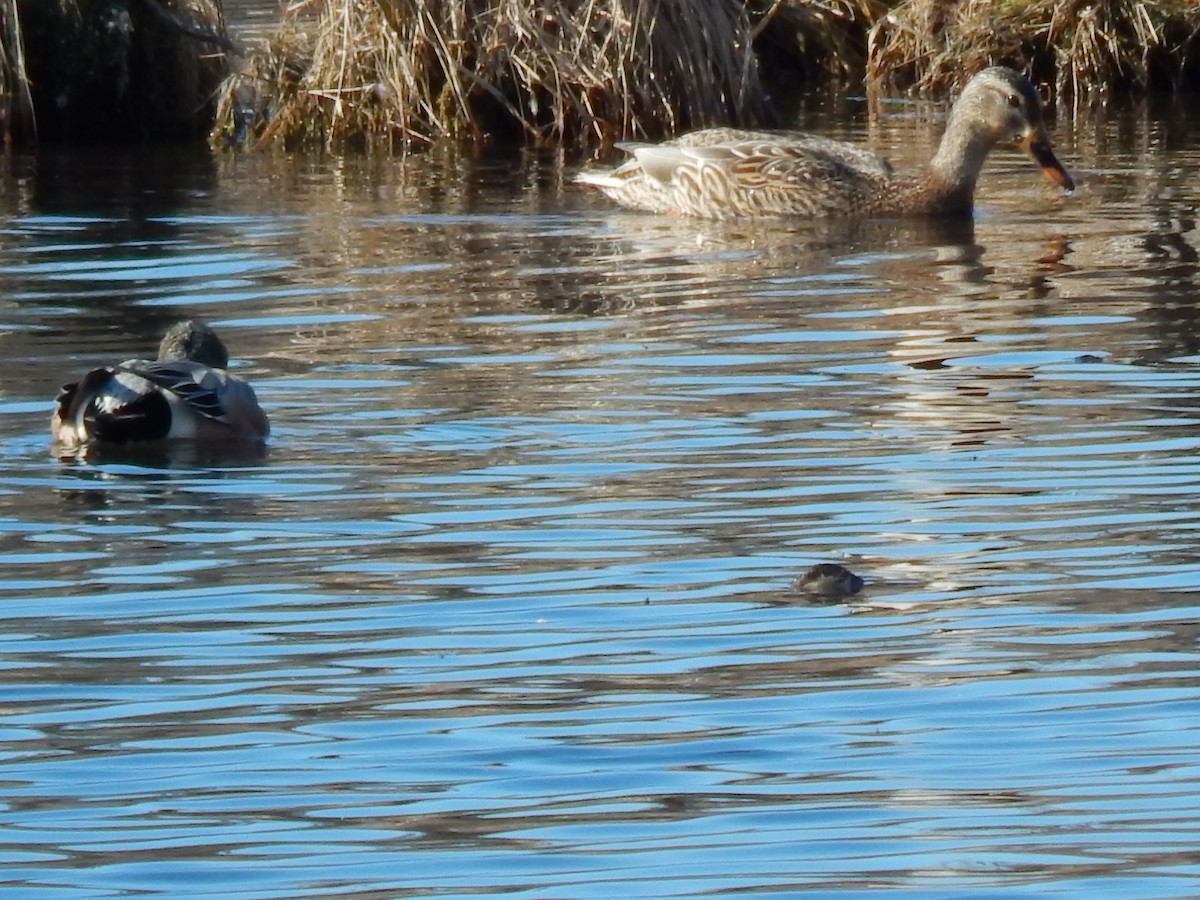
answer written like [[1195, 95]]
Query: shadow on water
[[157, 456]]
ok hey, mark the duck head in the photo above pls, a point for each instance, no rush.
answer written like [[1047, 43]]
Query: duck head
[[195, 341], [1000, 104]]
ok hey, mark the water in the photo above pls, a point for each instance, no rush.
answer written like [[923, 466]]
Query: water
[[505, 607]]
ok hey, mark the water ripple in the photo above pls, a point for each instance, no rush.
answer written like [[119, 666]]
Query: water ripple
[[505, 606]]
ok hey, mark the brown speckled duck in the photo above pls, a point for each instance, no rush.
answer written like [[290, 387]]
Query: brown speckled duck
[[185, 394], [722, 173]]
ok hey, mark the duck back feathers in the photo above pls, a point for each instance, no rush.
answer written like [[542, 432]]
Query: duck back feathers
[[720, 174]]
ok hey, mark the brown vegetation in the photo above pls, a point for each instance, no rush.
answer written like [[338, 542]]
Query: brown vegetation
[[1081, 47], [577, 73], [403, 71], [553, 72], [584, 72]]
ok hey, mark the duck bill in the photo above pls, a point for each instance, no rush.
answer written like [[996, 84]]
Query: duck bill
[[1038, 147]]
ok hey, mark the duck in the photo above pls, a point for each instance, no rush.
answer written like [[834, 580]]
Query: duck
[[724, 173], [184, 395], [829, 580]]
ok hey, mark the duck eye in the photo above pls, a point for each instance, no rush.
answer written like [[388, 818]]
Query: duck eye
[[1014, 101]]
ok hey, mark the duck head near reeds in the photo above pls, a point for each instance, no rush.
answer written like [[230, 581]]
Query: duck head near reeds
[[722, 173]]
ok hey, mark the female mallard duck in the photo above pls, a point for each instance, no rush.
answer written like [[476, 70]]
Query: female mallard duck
[[721, 173], [185, 394]]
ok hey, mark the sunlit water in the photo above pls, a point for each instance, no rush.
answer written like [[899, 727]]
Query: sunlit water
[[506, 608]]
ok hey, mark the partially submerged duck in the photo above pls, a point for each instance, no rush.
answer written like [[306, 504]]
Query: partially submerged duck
[[829, 580], [722, 173], [185, 394]]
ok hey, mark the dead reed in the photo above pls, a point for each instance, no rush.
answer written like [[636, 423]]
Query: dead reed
[[581, 73], [1083, 48], [346, 72], [575, 73]]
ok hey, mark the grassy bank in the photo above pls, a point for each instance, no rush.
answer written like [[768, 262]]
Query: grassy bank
[[391, 74], [581, 73], [538, 72], [1080, 49]]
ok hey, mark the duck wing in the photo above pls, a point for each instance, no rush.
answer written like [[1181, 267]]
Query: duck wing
[[757, 173], [204, 401], [756, 164], [197, 386], [111, 404], [789, 143]]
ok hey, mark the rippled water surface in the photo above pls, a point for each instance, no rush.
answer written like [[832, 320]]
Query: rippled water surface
[[505, 607]]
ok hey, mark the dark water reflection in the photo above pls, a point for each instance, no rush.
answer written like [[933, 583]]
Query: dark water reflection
[[504, 607]]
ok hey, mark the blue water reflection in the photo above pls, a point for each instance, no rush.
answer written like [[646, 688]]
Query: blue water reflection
[[505, 605]]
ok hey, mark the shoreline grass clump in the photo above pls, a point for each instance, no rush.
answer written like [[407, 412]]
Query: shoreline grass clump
[[1082, 48], [344, 73], [579, 74], [341, 74]]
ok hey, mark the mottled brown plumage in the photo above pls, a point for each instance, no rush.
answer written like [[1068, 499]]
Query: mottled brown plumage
[[723, 173]]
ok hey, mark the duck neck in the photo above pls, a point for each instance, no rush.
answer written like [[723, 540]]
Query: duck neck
[[956, 165]]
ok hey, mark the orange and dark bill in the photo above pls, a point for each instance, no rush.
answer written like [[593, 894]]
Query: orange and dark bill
[[1052, 170]]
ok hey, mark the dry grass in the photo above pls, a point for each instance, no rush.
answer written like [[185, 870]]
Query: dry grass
[[17, 123], [1083, 47], [576, 73], [582, 73], [346, 72]]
